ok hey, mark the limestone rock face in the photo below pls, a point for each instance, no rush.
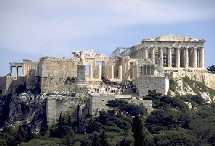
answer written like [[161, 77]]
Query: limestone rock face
[[26, 108], [193, 88]]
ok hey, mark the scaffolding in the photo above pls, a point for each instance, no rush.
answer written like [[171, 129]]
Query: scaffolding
[[120, 52]]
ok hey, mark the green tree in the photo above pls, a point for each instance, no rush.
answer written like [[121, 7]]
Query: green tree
[[126, 142], [96, 141], [44, 127], [173, 137], [137, 129], [163, 119], [103, 139], [60, 125], [69, 123], [123, 106], [211, 68]]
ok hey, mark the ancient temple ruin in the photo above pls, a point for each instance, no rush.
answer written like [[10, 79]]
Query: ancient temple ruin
[[173, 52], [147, 65]]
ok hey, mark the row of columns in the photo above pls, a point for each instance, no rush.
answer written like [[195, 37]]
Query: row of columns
[[17, 70], [111, 72], [91, 72], [197, 58], [147, 70]]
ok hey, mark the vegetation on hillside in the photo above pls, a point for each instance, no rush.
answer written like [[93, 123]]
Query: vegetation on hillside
[[172, 122], [197, 87], [211, 68]]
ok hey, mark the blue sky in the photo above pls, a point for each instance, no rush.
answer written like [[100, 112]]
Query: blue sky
[[34, 28]]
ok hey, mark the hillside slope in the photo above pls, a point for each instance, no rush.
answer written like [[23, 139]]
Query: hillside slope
[[185, 85]]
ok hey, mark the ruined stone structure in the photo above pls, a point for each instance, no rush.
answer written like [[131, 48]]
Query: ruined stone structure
[[28, 67], [147, 65], [57, 104], [174, 52], [98, 103], [95, 64]]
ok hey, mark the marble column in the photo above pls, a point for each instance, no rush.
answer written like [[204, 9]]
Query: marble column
[[11, 70], [177, 58], [152, 70], [131, 71], [145, 53], [137, 71], [201, 57], [144, 70], [99, 71], [17, 71], [141, 71], [90, 71], [169, 57], [153, 55], [120, 72], [195, 57], [112, 72], [161, 56], [142, 53], [186, 59]]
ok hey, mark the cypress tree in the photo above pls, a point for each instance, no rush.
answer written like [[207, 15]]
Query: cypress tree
[[44, 127], [60, 125], [137, 129]]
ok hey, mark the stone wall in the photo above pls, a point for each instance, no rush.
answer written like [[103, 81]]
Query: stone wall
[[57, 84], [54, 67], [97, 103], [57, 74], [57, 104], [146, 84]]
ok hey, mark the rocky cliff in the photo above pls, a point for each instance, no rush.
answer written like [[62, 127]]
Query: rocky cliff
[[185, 85], [25, 109]]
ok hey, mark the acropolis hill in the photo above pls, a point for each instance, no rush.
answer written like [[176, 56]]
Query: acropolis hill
[[129, 72]]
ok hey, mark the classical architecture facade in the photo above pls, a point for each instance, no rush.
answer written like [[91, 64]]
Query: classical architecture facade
[[172, 52]]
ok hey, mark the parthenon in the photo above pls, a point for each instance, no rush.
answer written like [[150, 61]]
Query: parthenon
[[173, 52]]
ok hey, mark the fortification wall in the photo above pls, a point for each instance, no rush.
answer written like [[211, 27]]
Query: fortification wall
[[146, 84], [57, 104], [57, 74], [98, 103], [56, 84], [55, 67]]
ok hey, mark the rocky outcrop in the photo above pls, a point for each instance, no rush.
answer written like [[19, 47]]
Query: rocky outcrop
[[185, 86], [28, 109]]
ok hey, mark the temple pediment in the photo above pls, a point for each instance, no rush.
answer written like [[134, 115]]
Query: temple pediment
[[172, 38]]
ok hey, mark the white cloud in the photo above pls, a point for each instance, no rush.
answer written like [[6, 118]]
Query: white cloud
[[30, 26]]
